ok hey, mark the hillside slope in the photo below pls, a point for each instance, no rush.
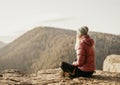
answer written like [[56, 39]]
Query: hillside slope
[[105, 44], [46, 47]]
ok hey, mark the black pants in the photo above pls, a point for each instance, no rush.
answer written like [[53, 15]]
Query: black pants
[[74, 71]]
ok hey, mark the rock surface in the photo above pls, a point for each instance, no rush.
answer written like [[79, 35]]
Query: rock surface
[[112, 63], [52, 77]]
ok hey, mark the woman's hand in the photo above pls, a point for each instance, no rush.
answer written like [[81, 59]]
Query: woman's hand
[[73, 63]]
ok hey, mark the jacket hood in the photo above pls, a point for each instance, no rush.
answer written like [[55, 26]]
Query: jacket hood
[[87, 40]]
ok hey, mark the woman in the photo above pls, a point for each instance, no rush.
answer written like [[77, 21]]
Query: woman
[[85, 64]]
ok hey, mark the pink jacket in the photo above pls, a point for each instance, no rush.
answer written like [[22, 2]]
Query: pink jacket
[[85, 54]]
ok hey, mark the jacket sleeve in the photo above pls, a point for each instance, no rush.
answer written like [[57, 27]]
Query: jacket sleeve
[[80, 55]]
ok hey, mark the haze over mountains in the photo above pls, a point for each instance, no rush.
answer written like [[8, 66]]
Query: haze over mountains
[[46, 47], [2, 44]]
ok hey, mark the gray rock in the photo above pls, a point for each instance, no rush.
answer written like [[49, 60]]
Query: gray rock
[[112, 63]]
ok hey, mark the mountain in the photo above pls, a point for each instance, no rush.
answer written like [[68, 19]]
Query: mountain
[[2, 44], [42, 47], [46, 47]]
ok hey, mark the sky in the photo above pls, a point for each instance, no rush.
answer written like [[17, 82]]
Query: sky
[[19, 16]]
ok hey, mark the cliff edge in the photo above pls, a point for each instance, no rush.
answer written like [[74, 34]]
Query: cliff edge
[[52, 77]]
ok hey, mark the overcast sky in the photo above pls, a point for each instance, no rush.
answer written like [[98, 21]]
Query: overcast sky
[[19, 16]]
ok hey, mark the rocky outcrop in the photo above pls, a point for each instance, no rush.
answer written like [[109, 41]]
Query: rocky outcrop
[[12, 77], [112, 63], [52, 77]]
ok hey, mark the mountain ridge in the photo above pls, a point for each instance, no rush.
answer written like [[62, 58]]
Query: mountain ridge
[[46, 47]]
